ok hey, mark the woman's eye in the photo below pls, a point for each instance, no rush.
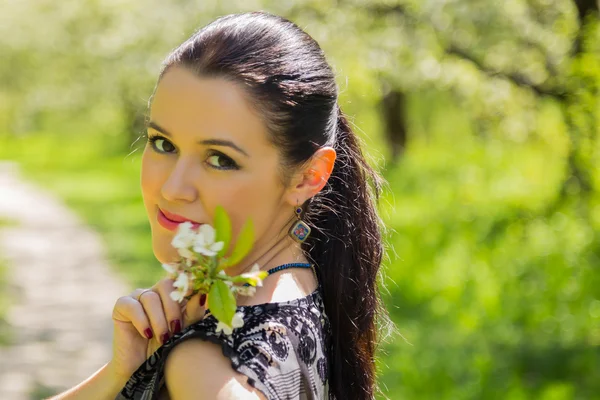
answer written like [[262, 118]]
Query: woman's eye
[[221, 161], [216, 159], [162, 145]]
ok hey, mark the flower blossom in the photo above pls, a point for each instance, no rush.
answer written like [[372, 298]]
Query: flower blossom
[[182, 283], [204, 241], [200, 267], [170, 268], [255, 275], [237, 322], [184, 239]]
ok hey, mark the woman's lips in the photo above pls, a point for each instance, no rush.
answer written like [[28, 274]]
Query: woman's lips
[[170, 224]]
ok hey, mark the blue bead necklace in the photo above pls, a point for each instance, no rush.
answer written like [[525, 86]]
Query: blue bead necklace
[[286, 266]]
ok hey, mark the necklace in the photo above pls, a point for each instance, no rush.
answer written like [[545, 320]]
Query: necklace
[[286, 266]]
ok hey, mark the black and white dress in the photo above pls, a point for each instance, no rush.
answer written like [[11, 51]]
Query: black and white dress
[[282, 348]]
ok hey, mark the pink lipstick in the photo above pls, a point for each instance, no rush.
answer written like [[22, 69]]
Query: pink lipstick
[[171, 221]]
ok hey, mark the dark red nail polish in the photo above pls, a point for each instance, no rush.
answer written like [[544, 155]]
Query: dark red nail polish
[[203, 300], [148, 333], [165, 337], [175, 326]]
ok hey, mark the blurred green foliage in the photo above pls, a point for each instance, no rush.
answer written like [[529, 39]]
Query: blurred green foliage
[[494, 208]]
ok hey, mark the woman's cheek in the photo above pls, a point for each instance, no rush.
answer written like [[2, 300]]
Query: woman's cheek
[[145, 179], [238, 201], [145, 173], [153, 174]]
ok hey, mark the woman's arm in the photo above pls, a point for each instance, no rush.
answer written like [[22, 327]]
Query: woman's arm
[[197, 370], [100, 386]]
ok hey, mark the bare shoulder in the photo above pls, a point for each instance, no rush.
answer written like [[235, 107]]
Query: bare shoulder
[[197, 369]]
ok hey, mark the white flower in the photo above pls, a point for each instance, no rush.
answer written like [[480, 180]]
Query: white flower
[[182, 284], [221, 326], [253, 271], [187, 254], [204, 242], [184, 237], [237, 322], [177, 296], [170, 268], [255, 275]]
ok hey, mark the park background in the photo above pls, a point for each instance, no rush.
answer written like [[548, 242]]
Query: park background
[[483, 116]]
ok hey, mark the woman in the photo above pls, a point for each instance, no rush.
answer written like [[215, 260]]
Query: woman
[[245, 115]]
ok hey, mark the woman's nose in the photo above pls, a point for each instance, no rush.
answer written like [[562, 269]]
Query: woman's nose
[[179, 185]]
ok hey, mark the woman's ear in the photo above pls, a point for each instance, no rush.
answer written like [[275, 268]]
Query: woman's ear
[[313, 177]]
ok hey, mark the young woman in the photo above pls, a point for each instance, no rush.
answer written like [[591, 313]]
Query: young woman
[[245, 115]]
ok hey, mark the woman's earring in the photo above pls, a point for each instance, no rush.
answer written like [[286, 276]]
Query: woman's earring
[[300, 230]]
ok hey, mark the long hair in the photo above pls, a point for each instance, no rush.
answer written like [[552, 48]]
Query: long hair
[[285, 73]]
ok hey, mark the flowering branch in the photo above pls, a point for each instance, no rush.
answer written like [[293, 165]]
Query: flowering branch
[[201, 268]]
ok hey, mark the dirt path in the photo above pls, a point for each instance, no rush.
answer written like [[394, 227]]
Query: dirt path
[[62, 293]]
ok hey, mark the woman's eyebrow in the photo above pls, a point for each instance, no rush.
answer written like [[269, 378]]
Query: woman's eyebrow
[[214, 142]]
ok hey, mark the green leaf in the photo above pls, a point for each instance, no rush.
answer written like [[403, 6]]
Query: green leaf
[[222, 225], [222, 303], [245, 241]]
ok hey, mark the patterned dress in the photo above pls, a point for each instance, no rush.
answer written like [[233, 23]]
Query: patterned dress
[[282, 348]]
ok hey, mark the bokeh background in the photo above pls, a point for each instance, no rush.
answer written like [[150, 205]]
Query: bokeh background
[[483, 116]]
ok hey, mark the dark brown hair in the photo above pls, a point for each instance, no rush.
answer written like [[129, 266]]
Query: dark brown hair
[[285, 72]]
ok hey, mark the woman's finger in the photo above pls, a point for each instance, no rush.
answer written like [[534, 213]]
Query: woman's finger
[[171, 307], [194, 309], [127, 309], [153, 307]]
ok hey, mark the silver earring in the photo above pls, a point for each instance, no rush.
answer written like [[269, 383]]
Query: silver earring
[[300, 230]]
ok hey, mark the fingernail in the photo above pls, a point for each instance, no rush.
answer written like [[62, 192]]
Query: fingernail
[[175, 326], [165, 337], [202, 300], [148, 333]]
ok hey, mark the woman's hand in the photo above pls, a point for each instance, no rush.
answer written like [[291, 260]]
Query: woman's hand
[[144, 320]]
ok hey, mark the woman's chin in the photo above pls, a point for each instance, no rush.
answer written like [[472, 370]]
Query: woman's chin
[[166, 254]]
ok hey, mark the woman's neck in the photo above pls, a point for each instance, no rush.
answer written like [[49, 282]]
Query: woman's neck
[[283, 285], [281, 250]]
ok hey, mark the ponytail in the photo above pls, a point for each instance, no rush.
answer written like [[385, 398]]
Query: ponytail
[[346, 245]]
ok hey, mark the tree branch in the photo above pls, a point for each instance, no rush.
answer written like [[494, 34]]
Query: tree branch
[[453, 48], [515, 77]]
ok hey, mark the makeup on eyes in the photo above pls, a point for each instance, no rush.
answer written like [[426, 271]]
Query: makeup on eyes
[[152, 139], [206, 142]]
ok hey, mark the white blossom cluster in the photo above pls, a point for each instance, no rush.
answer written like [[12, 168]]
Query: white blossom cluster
[[189, 244]]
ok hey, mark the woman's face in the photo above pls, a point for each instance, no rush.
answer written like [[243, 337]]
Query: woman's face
[[207, 148]]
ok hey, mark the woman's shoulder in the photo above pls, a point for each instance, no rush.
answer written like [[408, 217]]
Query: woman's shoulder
[[281, 347]]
